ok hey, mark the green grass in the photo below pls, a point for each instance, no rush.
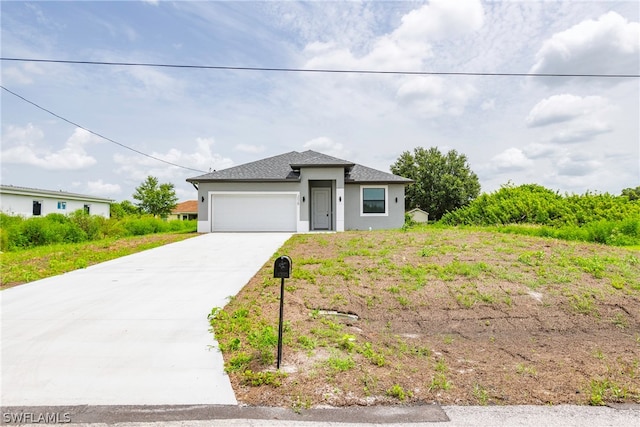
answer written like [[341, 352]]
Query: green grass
[[40, 262]]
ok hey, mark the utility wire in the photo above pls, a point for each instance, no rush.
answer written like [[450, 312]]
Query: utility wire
[[320, 70], [97, 134]]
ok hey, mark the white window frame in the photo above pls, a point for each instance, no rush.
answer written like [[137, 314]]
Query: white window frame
[[62, 205], [386, 200]]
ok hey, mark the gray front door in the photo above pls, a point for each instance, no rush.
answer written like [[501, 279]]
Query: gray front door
[[321, 208]]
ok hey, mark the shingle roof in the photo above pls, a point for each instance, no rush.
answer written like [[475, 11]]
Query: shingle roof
[[11, 189], [190, 206], [286, 167]]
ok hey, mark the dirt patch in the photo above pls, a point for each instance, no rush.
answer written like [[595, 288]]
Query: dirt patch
[[446, 316]]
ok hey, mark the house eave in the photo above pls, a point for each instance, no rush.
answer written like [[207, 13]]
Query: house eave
[[198, 181]]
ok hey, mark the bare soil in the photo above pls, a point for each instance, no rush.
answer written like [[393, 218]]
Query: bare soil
[[447, 316]]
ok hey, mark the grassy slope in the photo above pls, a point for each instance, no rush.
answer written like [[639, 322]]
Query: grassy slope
[[40, 262], [447, 315]]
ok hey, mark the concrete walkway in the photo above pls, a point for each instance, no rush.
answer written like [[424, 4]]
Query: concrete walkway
[[132, 331]]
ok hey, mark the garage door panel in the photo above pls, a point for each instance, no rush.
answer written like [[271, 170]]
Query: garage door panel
[[254, 212]]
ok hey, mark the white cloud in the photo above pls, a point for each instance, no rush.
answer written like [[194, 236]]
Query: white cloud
[[510, 160], [539, 151], [25, 149], [138, 167], [608, 45], [577, 165], [581, 131], [441, 19], [433, 95], [327, 146], [248, 148], [565, 107], [488, 105], [100, 188], [408, 45], [571, 118]]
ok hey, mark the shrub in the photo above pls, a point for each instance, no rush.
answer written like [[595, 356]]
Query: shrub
[[601, 218]]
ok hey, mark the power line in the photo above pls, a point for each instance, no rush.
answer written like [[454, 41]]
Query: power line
[[320, 70], [97, 134]]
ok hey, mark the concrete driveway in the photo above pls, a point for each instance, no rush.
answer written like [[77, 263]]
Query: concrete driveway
[[132, 331]]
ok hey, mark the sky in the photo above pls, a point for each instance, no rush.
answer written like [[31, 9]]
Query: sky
[[569, 134]]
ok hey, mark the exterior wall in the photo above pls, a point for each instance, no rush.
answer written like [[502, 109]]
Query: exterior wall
[[394, 218], [335, 174], [347, 200], [301, 187], [22, 204], [419, 215], [206, 188], [182, 216]]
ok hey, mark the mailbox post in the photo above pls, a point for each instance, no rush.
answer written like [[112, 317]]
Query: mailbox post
[[282, 270]]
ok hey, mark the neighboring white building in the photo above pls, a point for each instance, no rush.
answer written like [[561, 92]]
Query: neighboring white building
[[418, 215], [30, 202]]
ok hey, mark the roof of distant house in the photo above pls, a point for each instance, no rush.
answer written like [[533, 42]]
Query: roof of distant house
[[190, 206], [286, 167], [11, 189]]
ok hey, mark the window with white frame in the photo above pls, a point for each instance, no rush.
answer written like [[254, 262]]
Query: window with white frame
[[62, 205], [374, 200]]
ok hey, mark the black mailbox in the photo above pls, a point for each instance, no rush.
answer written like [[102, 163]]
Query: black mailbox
[[282, 267]]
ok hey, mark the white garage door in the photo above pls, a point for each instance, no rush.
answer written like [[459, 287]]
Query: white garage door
[[254, 212]]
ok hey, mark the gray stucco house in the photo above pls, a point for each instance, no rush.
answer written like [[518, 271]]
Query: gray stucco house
[[299, 192]]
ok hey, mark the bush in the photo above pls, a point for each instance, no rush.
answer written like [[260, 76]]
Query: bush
[[18, 233], [601, 218]]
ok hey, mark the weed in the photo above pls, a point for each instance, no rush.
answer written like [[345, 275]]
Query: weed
[[307, 342], [481, 394], [620, 320], [372, 300], [301, 403], [526, 370], [598, 390], [441, 366], [370, 383], [531, 258], [402, 300], [340, 364], [238, 362], [264, 340], [427, 251], [448, 339], [398, 392], [439, 382], [367, 351], [583, 303], [257, 379], [347, 342]]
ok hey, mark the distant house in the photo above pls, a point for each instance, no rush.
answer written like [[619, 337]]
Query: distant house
[[33, 202], [299, 192], [185, 211], [418, 215]]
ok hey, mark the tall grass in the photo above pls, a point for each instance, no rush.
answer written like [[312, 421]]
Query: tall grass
[[534, 210], [18, 233]]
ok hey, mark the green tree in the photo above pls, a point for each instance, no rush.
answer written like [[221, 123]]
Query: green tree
[[122, 209], [632, 193], [442, 182], [154, 198]]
